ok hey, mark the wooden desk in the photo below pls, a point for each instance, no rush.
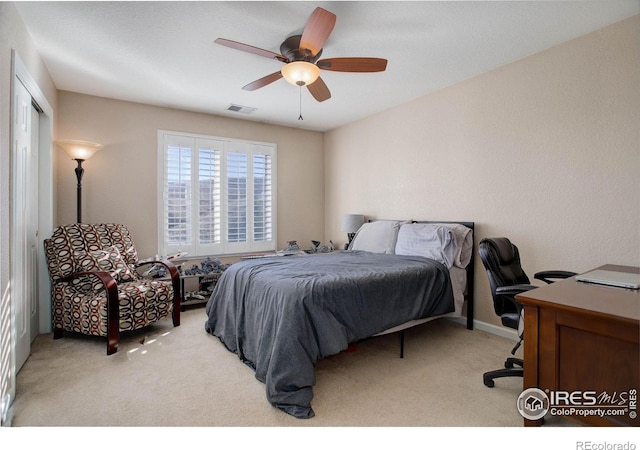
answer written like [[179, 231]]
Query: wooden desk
[[583, 337]]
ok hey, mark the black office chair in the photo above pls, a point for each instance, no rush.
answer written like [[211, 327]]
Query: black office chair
[[507, 279]]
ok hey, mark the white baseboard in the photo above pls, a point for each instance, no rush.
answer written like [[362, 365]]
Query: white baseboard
[[489, 328]]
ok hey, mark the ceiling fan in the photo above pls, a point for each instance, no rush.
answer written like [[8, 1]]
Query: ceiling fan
[[301, 54]]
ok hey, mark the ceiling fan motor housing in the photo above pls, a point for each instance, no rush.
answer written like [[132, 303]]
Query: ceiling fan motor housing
[[291, 50]]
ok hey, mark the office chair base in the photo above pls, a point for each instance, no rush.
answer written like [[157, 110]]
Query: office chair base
[[511, 362], [501, 373]]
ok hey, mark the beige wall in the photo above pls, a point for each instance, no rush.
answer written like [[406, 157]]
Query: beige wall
[[545, 151], [119, 183]]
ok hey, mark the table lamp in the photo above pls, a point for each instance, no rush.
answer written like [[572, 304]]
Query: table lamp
[[350, 224]]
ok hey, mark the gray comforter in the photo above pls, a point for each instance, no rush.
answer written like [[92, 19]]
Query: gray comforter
[[281, 315]]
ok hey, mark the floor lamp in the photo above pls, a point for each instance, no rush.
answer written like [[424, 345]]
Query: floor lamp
[[80, 151]]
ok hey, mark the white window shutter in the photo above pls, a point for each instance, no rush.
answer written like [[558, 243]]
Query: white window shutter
[[209, 197], [176, 221], [263, 201], [218, 195]]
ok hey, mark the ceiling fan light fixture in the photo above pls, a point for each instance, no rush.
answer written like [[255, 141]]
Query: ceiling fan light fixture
[[300, 73]]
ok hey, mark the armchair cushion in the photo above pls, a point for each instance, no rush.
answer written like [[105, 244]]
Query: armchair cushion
[[141, 303], [107, 260]]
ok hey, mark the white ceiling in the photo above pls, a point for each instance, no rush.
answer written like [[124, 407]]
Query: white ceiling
[[163, 53]]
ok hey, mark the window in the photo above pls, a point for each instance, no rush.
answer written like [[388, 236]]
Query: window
[[217, 195]]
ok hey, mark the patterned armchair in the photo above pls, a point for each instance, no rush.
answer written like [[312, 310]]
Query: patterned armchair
[[96, 288]]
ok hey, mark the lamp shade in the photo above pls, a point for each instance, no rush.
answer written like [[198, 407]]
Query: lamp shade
[[351, 222], [300, 73], [79, 149]]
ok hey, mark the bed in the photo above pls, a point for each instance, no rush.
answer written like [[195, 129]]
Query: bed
[[282, 315]]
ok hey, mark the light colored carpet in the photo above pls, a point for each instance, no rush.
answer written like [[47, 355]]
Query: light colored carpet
[[183, 377]]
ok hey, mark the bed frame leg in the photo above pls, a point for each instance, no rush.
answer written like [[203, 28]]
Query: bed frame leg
[[402, 344]]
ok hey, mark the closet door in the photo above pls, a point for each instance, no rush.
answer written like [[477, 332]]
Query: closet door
[[32, 243], [24, 197]]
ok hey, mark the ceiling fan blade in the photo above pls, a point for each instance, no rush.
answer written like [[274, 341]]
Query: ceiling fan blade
[[353, 64], [319, 90], [250, 49], [262, 82], [317, 31]]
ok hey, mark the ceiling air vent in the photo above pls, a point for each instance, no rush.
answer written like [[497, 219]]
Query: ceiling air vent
[[240, 109]]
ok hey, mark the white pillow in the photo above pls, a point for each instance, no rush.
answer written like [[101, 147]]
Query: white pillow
[[377, 237], [429, 241], [464, 243]]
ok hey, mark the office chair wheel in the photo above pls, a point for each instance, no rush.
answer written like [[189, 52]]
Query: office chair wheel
[[488, 382]]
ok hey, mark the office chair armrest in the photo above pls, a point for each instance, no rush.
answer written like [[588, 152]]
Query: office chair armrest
[[554, 275], [514, 290]]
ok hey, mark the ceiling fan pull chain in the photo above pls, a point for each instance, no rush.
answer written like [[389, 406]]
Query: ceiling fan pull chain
[[300, 116]]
